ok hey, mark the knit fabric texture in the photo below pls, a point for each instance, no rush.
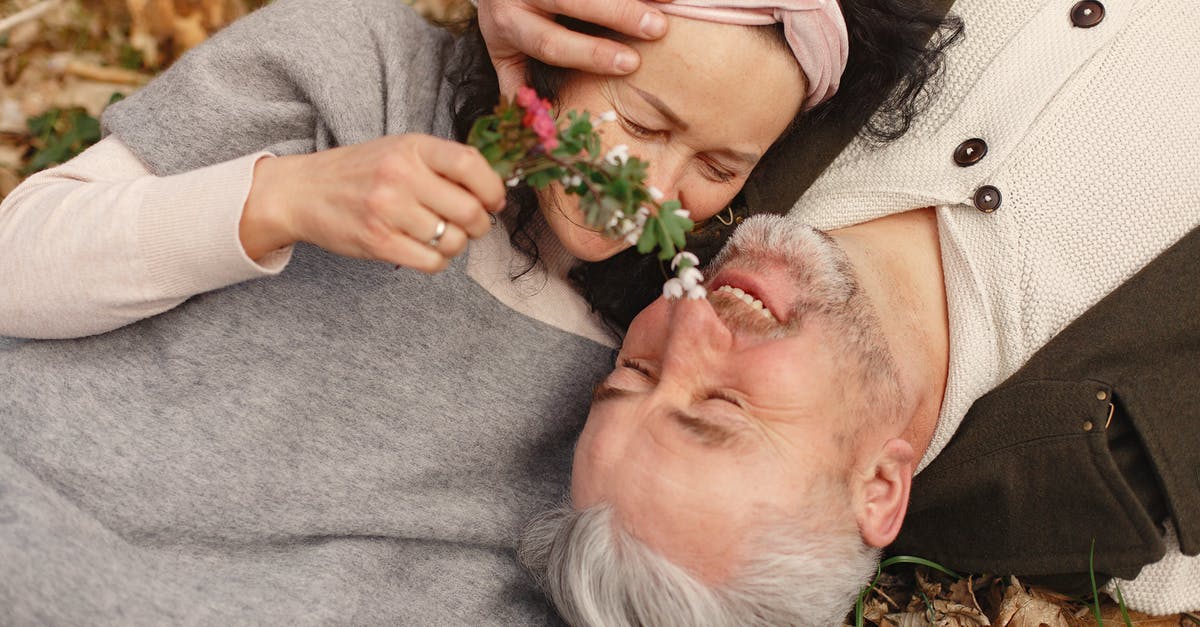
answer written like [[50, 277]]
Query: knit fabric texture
[[341, 443], [1083, 127]]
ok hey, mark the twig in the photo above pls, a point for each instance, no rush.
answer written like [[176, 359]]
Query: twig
[[103, 74], [26, 15]]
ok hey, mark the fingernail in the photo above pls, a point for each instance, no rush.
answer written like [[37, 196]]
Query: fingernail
[[653, 24], [625, 62]]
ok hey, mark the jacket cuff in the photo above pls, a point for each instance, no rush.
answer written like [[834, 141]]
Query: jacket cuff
[[187, 230]]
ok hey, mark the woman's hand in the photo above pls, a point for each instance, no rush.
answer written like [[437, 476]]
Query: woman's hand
[[382, 199], [518, 29]]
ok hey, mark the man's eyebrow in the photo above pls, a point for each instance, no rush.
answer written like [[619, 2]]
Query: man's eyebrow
[[605, 392], [662, 107], [710, 432]]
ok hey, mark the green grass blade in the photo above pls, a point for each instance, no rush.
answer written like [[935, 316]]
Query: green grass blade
[[1095, 593], [860, 604], [1121, 604], [908, 559]]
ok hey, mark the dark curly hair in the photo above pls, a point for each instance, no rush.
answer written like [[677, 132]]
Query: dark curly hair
[[896, 53]]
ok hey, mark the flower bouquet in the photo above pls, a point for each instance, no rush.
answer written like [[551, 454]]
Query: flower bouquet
[[523, 143]]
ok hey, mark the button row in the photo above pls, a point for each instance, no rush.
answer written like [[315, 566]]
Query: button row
[[988, 198]]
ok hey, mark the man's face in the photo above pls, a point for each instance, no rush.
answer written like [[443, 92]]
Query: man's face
[[718, 416]]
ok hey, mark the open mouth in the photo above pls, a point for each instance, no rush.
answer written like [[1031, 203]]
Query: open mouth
[[749, 299]]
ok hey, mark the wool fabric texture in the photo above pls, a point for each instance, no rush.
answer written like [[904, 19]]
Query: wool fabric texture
[[815, 31], [341, 443]]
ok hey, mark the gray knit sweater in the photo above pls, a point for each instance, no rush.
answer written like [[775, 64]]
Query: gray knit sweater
[[343, 443]]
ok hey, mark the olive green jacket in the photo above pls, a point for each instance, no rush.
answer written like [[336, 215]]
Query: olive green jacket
[[1096, 437]]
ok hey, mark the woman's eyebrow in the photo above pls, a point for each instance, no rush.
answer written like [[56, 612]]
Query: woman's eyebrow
[[662, 108]]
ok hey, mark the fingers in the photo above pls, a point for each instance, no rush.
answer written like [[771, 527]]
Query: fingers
[[401, 250], [629, 17], [466, 167], [421, 225], [541, 37]]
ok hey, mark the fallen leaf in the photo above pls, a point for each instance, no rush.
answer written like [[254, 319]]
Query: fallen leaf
[[907, 619], [951, 614], [1019, 608], [874, 610]]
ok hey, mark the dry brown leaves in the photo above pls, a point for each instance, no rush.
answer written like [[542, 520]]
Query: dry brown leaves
[[913, 597], [78, 53]]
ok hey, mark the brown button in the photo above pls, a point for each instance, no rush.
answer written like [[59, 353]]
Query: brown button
[[1102, 395], [987, 199], [1087, 14], [1087, 425], [970, 152]]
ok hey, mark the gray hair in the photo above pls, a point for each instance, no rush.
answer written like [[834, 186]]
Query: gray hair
[[597, 574]]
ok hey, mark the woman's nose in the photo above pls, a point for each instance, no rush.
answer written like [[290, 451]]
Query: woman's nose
[[664, 175]]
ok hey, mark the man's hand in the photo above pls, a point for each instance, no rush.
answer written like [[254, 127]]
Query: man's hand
[[518, 29]]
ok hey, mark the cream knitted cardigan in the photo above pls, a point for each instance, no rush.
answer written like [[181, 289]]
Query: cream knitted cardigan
[[1085, 129]]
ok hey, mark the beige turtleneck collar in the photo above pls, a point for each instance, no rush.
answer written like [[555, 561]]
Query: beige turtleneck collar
[[544, 293]]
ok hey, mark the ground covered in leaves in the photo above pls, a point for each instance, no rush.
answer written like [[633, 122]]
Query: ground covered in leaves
[[916, 596], [63, 61]]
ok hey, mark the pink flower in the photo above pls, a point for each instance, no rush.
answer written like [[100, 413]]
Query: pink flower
[[537, 118], [544, 127], [527, 98]]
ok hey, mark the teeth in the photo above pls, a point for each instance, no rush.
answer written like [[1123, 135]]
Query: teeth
[[753, 302]]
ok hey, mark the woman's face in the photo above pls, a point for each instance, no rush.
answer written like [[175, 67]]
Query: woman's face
[[706, 103]]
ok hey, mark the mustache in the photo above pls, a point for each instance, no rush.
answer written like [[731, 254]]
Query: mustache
[[819, 269]]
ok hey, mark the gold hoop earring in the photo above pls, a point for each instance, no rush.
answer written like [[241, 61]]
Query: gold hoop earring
[[722, 220]]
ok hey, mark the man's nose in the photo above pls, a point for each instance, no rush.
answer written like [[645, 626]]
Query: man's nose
[[696, 332]]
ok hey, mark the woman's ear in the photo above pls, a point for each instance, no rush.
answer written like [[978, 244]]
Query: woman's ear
[[882, 493]]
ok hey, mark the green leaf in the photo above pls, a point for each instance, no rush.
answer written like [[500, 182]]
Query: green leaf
[[665, 243], [59, 135], [649, 239]]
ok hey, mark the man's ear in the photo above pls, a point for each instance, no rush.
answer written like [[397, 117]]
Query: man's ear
[[882, 493]]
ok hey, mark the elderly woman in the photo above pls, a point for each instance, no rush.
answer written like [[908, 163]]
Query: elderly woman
[[345, 441]]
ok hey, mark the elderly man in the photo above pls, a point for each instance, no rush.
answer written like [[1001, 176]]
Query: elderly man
[[750, 452]]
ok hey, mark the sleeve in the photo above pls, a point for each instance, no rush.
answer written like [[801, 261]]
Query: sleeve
[[99, 242]]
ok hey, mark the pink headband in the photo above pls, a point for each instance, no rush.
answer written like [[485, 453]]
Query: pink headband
[[815, 30]]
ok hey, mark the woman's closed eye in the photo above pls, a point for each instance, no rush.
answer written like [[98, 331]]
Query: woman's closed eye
[[716, 173], [641, 132]]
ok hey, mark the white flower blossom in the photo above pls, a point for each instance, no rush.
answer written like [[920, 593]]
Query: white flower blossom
[[633, 237], [696, 293], [627, 226], [618, 155], [576, 180], [614, 220], [683, 256], [641, 216], [513, 182], [690, 277], [607, 116], [684, 213], [673, 289], [656, 193]]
